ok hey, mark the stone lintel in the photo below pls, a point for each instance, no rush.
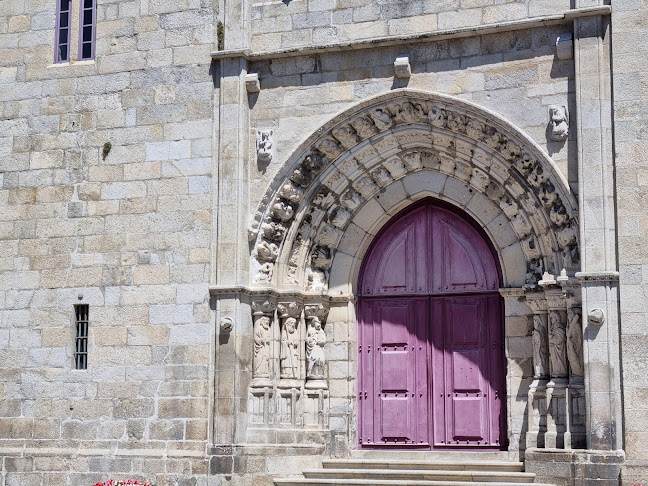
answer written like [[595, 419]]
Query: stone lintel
[[498, 27]]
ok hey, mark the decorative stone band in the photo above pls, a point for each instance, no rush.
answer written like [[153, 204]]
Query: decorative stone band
[[354, 157], [585, 277]]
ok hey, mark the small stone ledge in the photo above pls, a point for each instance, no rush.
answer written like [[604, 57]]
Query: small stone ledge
[[225, 290], [597, 276], [267, 449], [499, 27]]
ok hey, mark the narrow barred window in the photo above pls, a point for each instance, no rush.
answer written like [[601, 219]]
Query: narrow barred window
[[81, 342], [63, 12], [87, 29]]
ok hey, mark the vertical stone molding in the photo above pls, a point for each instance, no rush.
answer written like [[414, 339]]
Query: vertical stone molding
[[262, 316], [291, 347], [599, 265], [315, 340]]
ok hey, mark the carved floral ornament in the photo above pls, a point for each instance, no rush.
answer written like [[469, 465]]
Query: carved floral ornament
[[302, 218]]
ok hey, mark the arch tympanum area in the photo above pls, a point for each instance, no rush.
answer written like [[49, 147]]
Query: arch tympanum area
[[366, 155], [430, 354]]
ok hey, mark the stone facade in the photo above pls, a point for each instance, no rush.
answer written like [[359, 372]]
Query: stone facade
[[207, 203]]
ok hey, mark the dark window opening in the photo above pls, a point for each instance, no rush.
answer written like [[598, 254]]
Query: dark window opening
[[81, 341], [87, 30], [63, 12]]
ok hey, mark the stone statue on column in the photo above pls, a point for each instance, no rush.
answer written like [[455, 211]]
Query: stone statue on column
[[290, 352], [262, 312], [289, 355], [557, 345], [540, 353], [575, 342], [315, 341]]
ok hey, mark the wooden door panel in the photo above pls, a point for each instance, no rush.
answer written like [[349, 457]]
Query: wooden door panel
[[397, 264], [394, 401], [468, 427], [470, 368]]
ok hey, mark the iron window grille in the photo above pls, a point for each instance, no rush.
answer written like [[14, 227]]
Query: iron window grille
[[81, 341]]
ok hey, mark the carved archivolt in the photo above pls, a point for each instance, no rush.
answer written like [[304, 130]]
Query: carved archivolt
[[303, 216]]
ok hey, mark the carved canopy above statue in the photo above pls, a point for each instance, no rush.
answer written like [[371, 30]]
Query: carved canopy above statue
[[359, 153]]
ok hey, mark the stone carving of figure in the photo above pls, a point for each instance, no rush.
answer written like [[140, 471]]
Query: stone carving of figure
[[475, 129], [364, 127], [267, 251], [381, 119], [321, 257], [526, 163], [534, 272], [557, 346], [262, 347], [265, 273], [264, 145], [329, 148], [575, 342], [558, 123], [315, 340], [540, 356], [289, 355], [437, 116], [409, 113], [291, 192], [301, 176], [314, 163], [548, 194], [559, 215], [346, 136], [282, 211]]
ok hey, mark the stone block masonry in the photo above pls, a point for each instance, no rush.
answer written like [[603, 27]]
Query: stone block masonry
[[127, 232]]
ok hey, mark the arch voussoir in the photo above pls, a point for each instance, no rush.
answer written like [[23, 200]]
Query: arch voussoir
[[387, 152]]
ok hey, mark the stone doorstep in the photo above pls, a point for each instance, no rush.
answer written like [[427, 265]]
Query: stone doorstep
[[434, 456], [423, 475]]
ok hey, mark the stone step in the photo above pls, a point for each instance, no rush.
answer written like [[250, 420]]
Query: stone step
[[422, 475], [505, 466], [435, 456], [386, 482]]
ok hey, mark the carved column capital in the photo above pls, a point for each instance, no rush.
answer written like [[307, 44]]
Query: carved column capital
[[556, 299], [263, 307], [316, 310], [289, 309], [537, 302]]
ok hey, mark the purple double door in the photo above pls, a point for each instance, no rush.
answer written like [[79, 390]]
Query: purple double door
[[430, 353]]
